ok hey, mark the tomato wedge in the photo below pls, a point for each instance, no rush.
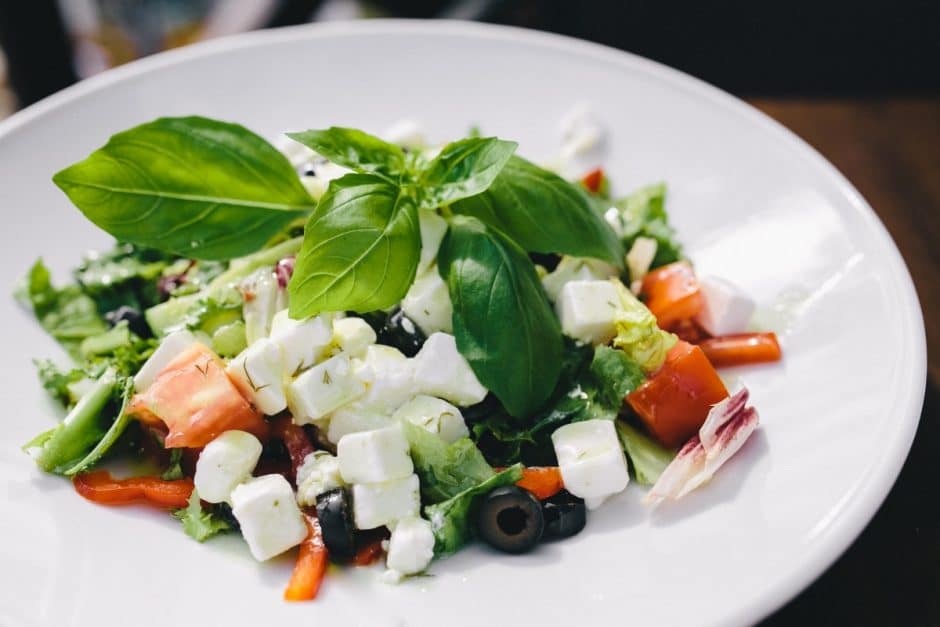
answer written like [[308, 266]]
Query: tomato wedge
[[196, 400], [675, 401], [369, 552], [310, 568], [672, 293], [593, 180], [742, 348], [541, 481], [99, 487]]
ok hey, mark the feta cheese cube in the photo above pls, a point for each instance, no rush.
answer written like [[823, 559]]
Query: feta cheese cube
[[267, 513], [440, 370], [387, 375], [318, 473], [322, 389], [262, 297], [298, 154], [726, 308], [591, 460], [411, 547], [258, 371], [170, 347], [575, 269], [587, 310], [436, 415], [428, 304], [303, 342], [353, 336], [224, 463], [355, 418], [374, 456], [640, 258], [433, 227], [385, 503]]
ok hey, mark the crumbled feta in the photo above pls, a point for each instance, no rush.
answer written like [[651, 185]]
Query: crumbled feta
[[587, 310], [304, 342], [259, 373], [170, 347], [318, 473], [590, 459], [267, 512], [434, 414], [353, 336], [385, 503], [725, 309], [387, 375], [224, 463], [374, 456], [433, 227], [411, 547], [575, 269], [356, 417], [440, 370], [322, 389], [428, 303]]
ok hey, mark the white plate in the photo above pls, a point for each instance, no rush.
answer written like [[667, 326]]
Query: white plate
[[753, 203]]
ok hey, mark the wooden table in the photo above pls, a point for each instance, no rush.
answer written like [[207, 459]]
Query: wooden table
[[890, 150]]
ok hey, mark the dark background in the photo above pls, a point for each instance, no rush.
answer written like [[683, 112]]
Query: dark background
[[859, 80]]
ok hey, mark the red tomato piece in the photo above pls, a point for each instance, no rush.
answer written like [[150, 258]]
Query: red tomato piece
[[675, 401], [742, 348], [196, 400], [543, 482], [672, 293], [593, 180]]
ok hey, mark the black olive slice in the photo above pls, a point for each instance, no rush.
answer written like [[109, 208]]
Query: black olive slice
[[565, 515], [334, 511], [510, 519]]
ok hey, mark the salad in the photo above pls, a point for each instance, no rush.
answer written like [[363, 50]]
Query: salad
[[365, 349]]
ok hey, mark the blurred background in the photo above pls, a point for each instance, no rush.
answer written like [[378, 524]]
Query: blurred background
[[859, 80]]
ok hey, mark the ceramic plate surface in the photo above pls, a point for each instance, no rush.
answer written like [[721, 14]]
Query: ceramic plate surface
[[753, 204]]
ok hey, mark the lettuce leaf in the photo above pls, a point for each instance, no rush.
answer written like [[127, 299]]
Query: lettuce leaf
[[643, 214], [445, 470], [199, 524], [637, 333], [648, 458]]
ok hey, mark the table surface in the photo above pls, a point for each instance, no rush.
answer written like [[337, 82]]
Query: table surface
[[890, 150]]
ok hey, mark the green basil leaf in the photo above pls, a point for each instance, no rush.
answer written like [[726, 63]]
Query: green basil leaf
[[361, 249], [354, 149], [544, 213], [503, 323], [464, 168], [191, 186]]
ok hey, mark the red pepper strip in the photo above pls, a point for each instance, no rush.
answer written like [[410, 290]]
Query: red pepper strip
[[368, 553], [743, 348], [295, 440], [100, 487], [593, 179], [311, 565], [543, 482]]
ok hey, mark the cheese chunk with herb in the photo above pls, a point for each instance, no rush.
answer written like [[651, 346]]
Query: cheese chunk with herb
[[267, 512], [387, 375], [428, 304], [435, 415], [353, 336], [304, 342], [587, 310], [259, 373], [374, 456], [385, 503], [440, 370], [224, 463], [322, 389], [411, 547], [590, 459]]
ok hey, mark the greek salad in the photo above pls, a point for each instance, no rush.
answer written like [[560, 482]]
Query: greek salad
[[365, 349]]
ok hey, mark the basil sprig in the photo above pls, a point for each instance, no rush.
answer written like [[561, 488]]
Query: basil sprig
[[213, 190]]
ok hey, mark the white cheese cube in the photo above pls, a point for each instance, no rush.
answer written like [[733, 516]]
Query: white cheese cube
[[353, 336], [436, 415], [411, 547], [374, 456], [433, 227], [304, 342], [322, 389], [258, 371], [355, 418], [640, 257], [590, 459], [387, 375], [440, 370], [385, 503], [318, 473], [262, 297], [170, 347], [575, 269], [428, 303], [587, 310], [268, 515], [224, 463], [726, 309], [298, 154]]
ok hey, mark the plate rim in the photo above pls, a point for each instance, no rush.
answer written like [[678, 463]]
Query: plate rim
[[860, 507]]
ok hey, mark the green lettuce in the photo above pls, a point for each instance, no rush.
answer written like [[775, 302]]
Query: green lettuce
[[637, 333], [648, 458], [643, 214], [200, 524], [445, 470]]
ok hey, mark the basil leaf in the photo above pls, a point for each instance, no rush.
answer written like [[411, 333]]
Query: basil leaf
[[354, 149], [503, 323], [191, 186], [544, 213], [464, 168], [361, 249]]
